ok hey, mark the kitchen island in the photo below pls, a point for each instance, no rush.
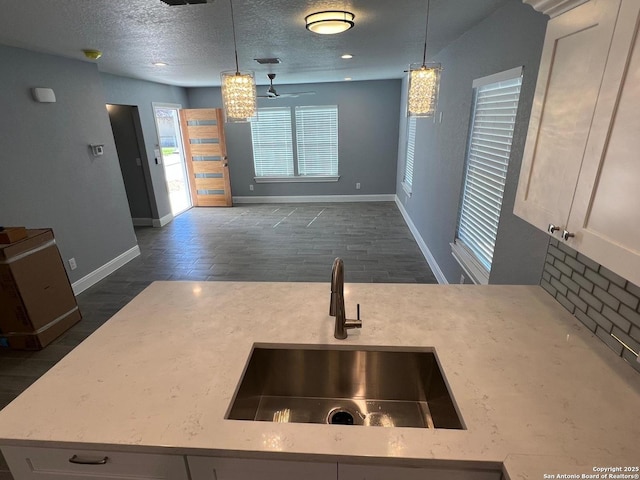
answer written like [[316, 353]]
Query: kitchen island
[[538, 394]]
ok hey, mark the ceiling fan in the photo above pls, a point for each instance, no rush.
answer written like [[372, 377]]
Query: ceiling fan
[[271, 92]]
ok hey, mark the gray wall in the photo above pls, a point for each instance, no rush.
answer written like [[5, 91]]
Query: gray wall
[[48, 176], [127, 143], [510, 37], [128, 91], [367, 137]]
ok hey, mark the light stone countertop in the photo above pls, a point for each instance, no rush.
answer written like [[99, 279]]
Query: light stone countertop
[[535, 389]]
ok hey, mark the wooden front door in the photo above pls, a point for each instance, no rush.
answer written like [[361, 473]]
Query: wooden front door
[[206, 157]]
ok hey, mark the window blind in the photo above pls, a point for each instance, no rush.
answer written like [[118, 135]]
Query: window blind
[[411, 148], [272, 143], [494, 115], [317, 140]]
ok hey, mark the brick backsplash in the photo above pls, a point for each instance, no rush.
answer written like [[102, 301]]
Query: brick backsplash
[[604, 302]]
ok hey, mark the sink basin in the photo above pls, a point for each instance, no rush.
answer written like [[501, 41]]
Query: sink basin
[[372, 386]]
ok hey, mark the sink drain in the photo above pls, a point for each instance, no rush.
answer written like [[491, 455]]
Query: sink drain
[[340, 417]]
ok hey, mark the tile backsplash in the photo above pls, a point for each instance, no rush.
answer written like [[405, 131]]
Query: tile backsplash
[[606, 303]]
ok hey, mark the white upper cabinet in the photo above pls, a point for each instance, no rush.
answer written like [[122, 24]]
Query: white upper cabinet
[[605, 215], [581, 162]]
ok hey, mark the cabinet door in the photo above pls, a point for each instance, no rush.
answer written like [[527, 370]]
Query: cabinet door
[[571, 70], [379, 472], [214, 468], [27, 463], [605, 216]]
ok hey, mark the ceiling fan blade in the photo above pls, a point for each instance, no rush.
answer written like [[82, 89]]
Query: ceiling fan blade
[[295, 94]]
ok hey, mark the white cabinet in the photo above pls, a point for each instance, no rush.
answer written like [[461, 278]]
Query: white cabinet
[[580, 166], [381, 472], [605, 215], [208, 468], [27, 463], [218, 468]]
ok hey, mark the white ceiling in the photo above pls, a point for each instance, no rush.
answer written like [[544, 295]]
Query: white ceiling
[[196, 40]]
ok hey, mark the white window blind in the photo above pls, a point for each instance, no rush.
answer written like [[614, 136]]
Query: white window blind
[[495, 107], [317, 140], [272, 143], [411, 149]]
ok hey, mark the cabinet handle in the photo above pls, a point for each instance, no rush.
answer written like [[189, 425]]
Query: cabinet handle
[[79, 461], [552, 228], [567, 235]]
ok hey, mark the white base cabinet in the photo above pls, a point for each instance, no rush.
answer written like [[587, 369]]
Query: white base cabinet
[[218, 468], [207, 468], [28, 463], [382, 472]]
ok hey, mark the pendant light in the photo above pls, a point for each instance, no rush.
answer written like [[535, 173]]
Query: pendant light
[[238, 89], [424, 83]]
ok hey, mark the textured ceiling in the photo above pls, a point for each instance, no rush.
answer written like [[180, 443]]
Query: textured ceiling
[[197, 43]]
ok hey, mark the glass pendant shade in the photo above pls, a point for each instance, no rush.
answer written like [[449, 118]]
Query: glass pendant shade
[[424, 83], [238, 96]]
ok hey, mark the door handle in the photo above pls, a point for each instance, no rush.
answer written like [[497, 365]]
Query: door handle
[[567, 235]]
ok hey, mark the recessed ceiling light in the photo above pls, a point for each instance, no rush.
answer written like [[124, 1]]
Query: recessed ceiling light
[[348, 79], [160, 64], [346, 56], [92, 54]]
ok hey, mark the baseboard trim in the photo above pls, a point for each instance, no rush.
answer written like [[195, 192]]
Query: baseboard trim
[[163, 220], [435, 268], [108, 268], [315, 198], [142, 222]]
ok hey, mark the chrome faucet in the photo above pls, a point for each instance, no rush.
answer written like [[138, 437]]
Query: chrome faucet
[[336, 304]]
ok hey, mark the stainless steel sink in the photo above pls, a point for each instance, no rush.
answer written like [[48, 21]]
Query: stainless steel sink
[[373, 386]]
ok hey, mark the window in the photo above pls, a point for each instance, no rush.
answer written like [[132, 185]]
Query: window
[[272, 145], [407, 179], [317, 140], [313, 156], [493, 121]]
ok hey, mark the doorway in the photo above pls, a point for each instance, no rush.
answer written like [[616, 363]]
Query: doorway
[[167, 117], [127, 134]]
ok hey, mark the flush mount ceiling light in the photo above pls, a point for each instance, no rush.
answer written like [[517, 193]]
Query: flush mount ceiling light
[[330, 22], [160, 64], [424, 83], [347, 56], [238, 89]]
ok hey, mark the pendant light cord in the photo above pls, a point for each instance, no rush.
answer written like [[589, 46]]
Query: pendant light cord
[[235, 46], [426, 32]]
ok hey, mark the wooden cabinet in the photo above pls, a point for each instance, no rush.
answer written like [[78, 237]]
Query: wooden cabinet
[[580, 164], [213, 468], [28, 463]]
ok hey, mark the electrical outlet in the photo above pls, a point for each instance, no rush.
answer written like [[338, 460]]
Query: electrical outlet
[[73, 264], [462, 279], [251, 187], [358, 186]]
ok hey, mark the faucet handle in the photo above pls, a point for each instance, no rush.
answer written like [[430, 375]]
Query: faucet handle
[[354, 323]]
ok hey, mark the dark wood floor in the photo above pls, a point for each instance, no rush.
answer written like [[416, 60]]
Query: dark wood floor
[[281, 242]]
